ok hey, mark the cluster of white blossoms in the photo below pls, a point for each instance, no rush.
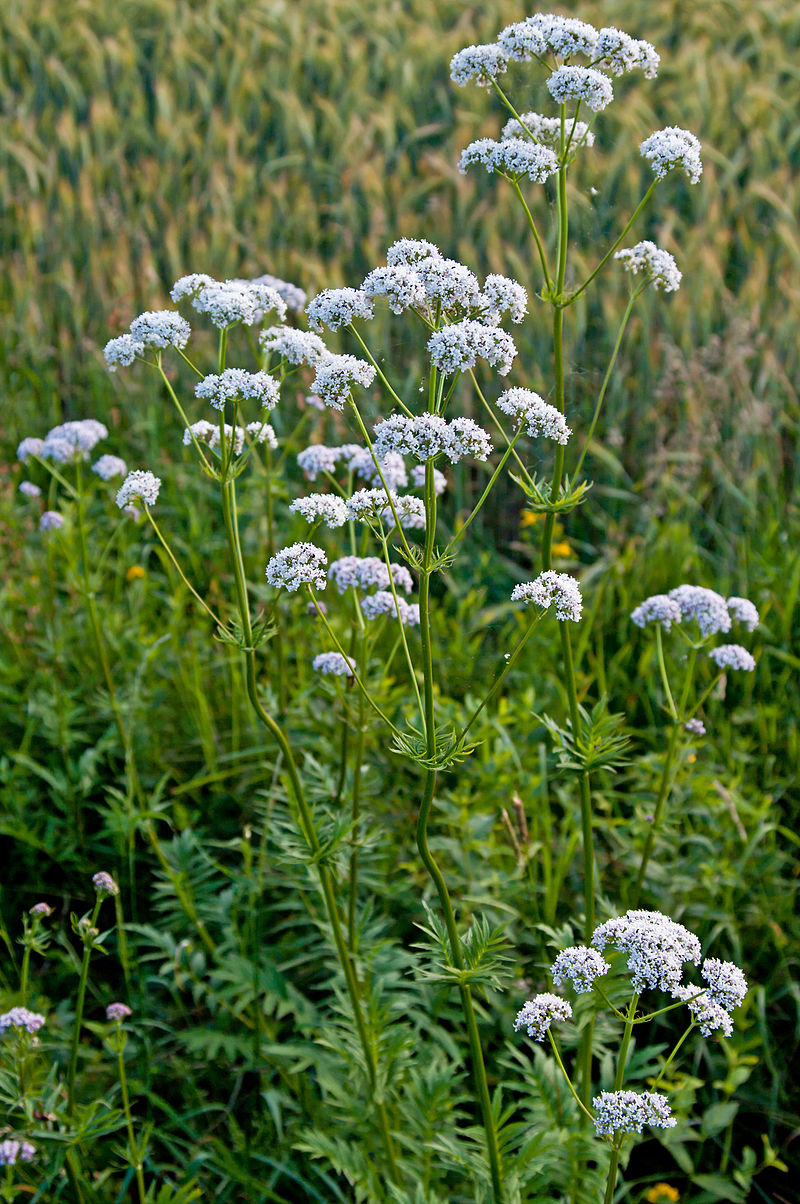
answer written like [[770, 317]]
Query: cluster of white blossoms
[[400, 284], [384, 602], [51, 520], [228, 302], [410, 251], [708, 1015], [630, 1111], [430, 435], [21, 1018], [657, 947], [695, 727], [14, 1150], [539, 1013], [368, 572], [547, 130], [732, 656], [294, 297], [657, 264], [711, 611], [64, 443], [28, 489], [158, 328], [480, 64], [673, 147], [418, 479], [30, 446], [580, 966], [659, 608], [299, 564], [328, 507], [139, 485], [743, 611], [334, 664], [235, 384], [337, 307], [377, 470], [457, 348], [511, 157], [369, 505], [502, 295], [108, 467], [336, 375], [581, 83], [551, 587], [235, 437], [540, 419], [294, 346]]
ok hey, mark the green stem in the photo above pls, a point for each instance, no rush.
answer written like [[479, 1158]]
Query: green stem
[[454, 542], [568, 1080], [511, 662], [355, 811], [669, 1060], [611, 1181], [393, 394], [133, 1147], [579, 292], [79, 1005], [534, 232], [180, 571], [499, 427]]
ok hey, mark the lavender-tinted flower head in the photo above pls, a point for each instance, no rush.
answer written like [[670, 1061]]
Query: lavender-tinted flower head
[[580, 966], [299, 564], [481, 63], [105, 885], [512, 157], [732, 656], [458, 347], [743, 611], [28, 489], [118, 1012], [657, 947], [707, 607], [295, 346], [367, 572], [695, 726], [326, 506], [727, 984], [540, 419], [72, 440], [630, 1111], [418, 479], [659, 608], [30, 446], [108, 467], [336, 375], [334, 664], [657, 264], [139, 485], [551, 587], [546, 130], [673, 147], [384, 603], [41, 910], [337, 307], [14, 1150], [539, 1013], [160, 328], [122, 351], [705, 1011], [581, 83], [21, 1018], [51, 520], [294, 297], [235, 384]]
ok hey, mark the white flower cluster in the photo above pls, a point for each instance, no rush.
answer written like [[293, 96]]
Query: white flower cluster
[[550, 587], [28, 489], [121, 352], [659, 608], [337, 307], [547, 130], [235, 384], [30, 446], [318, 458], [367, 572], [707, 607], [392, 469], [512, 157], [66, 442], [457, 348], [732, 656], [580, 966], [384, 603], [299, 564], [449, 284], [294, 297], [370, 504], [228, 302], [657, 947], [673, 147], [742, 610], [727, 984], [334, 664], [581, 83], [567, 36], [295, 346], [620, 53], [481, 63], [410, 251], [539, 1013], [418, 479], [400, 284], [695, 727], [630, 1111], [429, 435], [160, 328], [336, 375], [108, 467], [707, 1014], [503, 295], [659, 265], [326, 506], [139, 485], [13, 1151], [51, 520], [540, 419], [235, 436], [31, 1022]]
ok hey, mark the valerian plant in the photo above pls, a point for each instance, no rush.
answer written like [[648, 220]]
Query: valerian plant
[[370, 539]]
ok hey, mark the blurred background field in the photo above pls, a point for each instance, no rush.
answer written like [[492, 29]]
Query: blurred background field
[[146, 139]]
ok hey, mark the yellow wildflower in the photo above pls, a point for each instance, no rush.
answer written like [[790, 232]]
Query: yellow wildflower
[[662, 1193], [562, 550], [135, 572], [529, 518]]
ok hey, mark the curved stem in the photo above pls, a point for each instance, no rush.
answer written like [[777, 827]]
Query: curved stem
[[133, 1145], [579, 292], [499, 426], [534, 232], [394, 395], [479, 504], [76, 1032], [512, 660], [180, 571], [575, 1095]]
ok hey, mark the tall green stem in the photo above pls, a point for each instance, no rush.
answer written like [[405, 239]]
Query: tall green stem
[[76, 1032], [133, 1145]]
